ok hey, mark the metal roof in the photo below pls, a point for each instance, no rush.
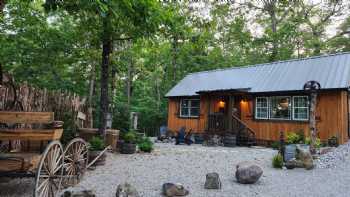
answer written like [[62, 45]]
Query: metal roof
[[331, 71]]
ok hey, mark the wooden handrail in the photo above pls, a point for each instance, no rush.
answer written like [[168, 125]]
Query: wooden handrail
[[243, 123]]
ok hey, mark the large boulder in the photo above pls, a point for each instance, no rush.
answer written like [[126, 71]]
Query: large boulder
[[126, 190], [212, 181], [305, 156], [248, 173], [293, 163], [171, 189]]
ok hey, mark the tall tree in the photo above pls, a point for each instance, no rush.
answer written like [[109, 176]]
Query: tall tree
[[118, 19]]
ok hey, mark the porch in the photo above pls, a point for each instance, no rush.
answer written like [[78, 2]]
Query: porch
[[224, 117]]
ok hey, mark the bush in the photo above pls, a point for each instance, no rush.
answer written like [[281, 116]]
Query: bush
[[317, 143], [275, 145], [130, 137], [96, 144], [145, 145], [277, 161], [294, 138]]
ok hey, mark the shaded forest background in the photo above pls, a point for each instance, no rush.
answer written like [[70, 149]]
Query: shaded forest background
[[151, 45]]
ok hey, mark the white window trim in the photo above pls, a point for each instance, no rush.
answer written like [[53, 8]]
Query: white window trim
[[307, 108], [291, 108], [268, 108], [189, 108]]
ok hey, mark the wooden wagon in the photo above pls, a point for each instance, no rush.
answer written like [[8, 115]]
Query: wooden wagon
[[42, 155]]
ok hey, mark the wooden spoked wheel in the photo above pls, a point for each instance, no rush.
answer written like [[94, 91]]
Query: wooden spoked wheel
[[50, 170], [75, 161]]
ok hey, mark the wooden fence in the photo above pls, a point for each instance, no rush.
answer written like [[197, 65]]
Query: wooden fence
[[23, 97]]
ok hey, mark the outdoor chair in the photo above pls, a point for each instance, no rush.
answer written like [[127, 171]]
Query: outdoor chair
[[183, 137]]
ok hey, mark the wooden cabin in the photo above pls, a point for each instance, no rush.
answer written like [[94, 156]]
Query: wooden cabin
[[265, 99]]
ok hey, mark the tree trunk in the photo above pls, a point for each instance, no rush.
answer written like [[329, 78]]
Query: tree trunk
[[274, 31], [129, 81], [91, 94], [106, 51], [313, 131], [2, 5], [174, 58]]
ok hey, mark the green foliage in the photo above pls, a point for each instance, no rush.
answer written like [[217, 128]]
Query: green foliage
[[96, 144], [277, 161], [130, 137], [294, 138], [275, 145], [317, 143], [145, 145]]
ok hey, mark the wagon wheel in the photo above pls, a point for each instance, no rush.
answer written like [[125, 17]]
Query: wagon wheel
[[75, 161], [50, 170]]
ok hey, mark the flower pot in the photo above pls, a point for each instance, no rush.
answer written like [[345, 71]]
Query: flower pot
[[333, 142], [100, 161], [128, 148]]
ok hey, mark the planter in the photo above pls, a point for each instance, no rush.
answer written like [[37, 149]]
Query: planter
[[198, 139], [119, 145], [229, 141], [289, 152], [333, 142], [100, 161], [128, 148]]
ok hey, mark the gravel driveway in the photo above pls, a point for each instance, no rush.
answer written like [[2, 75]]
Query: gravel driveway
[[189, 164]]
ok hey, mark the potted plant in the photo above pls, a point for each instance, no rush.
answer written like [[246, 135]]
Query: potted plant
[[145, 145], [333, 141], [97, 145], [129, 145]]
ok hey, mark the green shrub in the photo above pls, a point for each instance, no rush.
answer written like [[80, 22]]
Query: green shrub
[[317, 143], [130, 137], [145, 145], [275, 145], [96, 144], [277, 161], [294, 138]]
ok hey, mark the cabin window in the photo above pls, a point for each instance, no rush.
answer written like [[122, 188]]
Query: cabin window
[[300, 108], [280, 107], [262, 108], [189, 108]]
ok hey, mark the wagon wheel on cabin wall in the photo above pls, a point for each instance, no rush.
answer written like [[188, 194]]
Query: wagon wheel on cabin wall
[[75, 161], [50, 171]]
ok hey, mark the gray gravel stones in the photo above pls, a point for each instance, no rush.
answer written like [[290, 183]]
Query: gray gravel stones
[[334, 158]]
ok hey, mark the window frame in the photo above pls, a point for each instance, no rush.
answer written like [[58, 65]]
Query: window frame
[[256, 107], [307, 109], [291, 108], [189, 108], [291, 97]]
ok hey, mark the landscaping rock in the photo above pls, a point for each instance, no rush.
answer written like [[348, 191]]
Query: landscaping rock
[[84, 193], [212, 181], [248, 173], [293, 163], [171, 189], [126, 190], [305, 157]]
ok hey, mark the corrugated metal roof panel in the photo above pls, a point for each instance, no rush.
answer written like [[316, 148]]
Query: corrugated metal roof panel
[[331, 71]]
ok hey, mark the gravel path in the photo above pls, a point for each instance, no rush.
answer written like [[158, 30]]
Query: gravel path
[[189, 164]]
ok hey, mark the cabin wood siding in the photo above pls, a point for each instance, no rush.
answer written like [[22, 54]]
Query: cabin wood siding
[[331, 113], [175, 122]]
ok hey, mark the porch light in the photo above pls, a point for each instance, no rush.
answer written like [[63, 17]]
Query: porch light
[[244, 100], [222, 104]]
